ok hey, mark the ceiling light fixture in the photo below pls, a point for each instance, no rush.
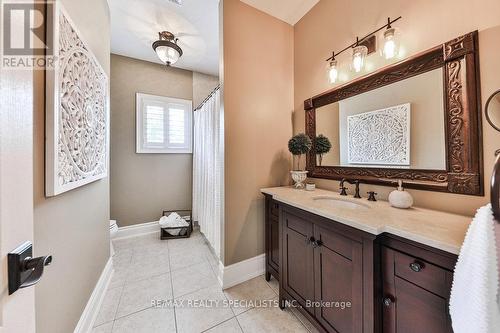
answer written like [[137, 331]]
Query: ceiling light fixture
[[167, 49]]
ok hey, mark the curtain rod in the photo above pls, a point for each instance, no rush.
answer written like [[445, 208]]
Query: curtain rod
[[207, 98]]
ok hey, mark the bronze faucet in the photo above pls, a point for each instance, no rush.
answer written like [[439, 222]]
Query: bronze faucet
[[352, 182]]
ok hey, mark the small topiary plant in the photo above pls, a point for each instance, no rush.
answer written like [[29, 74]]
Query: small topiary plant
[[322, 145], [299, 145]]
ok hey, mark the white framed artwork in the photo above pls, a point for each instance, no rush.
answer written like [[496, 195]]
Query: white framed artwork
[[77, 111], [380, 137]]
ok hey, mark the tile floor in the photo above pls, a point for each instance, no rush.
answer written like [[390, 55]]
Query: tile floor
[[180, 272]]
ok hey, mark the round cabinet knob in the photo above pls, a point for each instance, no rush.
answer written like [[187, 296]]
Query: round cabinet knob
[[416, 266], [388, 301]]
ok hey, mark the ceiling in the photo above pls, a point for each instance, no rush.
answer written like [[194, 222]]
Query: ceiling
[[290, 11], [135, 25]]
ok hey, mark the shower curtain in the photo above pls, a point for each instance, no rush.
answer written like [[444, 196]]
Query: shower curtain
[[208, 170]]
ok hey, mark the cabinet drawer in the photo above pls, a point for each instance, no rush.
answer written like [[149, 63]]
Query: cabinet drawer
[[424, 274]]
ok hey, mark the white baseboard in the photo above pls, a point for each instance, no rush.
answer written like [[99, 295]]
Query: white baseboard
[[89, 315], [242, 271], [137, 230]]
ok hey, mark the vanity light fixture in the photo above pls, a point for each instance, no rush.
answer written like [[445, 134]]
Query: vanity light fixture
[[359, 53], [167, 49], [333, 72], [364, 46], [390, 44]]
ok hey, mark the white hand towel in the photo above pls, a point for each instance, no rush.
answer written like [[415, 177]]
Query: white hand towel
[[170, 220], [173, 217], [174, 220], [474, 301], [163, 221]]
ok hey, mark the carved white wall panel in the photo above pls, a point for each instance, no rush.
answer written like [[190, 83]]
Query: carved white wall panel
[[380, 137], [77, 112]]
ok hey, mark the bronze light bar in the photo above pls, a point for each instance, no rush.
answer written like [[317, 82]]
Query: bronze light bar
[[360, 41]]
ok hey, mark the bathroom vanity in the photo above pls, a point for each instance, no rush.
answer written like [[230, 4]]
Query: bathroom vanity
[[382, 269], [416, 121]]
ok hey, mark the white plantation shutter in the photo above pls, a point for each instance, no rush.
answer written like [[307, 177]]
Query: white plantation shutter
[[164, 124], [154, 125], [176, 126]]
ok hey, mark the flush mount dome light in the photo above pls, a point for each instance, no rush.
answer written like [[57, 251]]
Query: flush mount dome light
[[167, 49]]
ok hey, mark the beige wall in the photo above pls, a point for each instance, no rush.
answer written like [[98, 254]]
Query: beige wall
[[258, 100], [327, 123], [426, 23], [203, 85], [73, 226], [143, 185]]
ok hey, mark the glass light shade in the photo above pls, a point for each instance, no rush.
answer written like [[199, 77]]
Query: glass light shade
[[390, 49], [333, 72], [358, 57], [167, 55]]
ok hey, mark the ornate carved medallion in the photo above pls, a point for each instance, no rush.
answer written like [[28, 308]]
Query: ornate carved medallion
[[78, 113]]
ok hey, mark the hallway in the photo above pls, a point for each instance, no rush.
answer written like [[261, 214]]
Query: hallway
[[175, 273]]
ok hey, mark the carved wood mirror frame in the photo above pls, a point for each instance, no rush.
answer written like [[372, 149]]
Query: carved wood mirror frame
[[459, 59]]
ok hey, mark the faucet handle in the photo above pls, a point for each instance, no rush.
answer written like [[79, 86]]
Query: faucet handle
[[371, 196]]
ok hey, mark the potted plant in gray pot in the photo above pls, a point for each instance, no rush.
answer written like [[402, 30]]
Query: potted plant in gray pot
[[299, 145]]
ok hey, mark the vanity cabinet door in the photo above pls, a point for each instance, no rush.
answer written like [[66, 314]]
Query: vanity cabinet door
[[298, 266], [274, 253], [338, 282], [409, 304], [272, 238]]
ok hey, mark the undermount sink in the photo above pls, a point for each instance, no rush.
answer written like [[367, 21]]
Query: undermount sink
[[342, 203]]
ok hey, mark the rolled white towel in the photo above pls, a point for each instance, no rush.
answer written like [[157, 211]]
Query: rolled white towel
[[173, 217], [163, 221], [169, 220]]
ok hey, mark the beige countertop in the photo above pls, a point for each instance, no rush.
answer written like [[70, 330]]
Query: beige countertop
[[437, 229]]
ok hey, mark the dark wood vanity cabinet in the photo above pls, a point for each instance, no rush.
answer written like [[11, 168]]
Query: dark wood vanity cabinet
[[323, 269], [374, 284]]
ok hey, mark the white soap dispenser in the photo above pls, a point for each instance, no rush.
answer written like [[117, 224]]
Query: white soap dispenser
[[400, 198]]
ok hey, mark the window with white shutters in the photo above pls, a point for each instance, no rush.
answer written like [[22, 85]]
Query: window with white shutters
[[164, 125]]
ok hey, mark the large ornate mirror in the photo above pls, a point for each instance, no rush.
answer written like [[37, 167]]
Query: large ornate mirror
[[417, 120]]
